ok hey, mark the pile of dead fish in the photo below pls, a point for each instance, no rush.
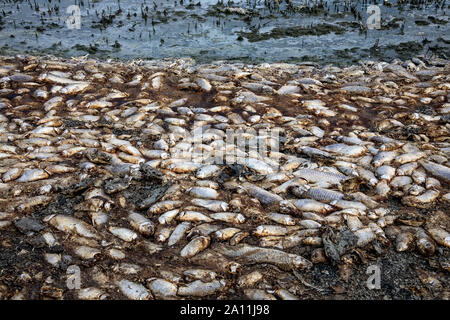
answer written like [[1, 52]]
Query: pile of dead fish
[[93, 162]]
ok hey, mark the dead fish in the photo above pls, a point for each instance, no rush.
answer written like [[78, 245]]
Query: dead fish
[[423, 200], [168, 216], [230, 217], [30, 175], [367, 175], [350, 140], [162, 289], [288, 89], [315, 176], [437, 170], [199, 288], [135, 81], [199, 274], [72, 151], [12, 174], [312, 205], [364, 236], [157, 82], [259, 166], [270, 230], [347, 168], [272, 241], [74, 88], [313, 216], [134, 291], [33, 202], [446, 197], [384, 157], [227, 233], [208, 184], [400, 181], [178, 103], [193, 216], [207, 171], [250, 279], [164, 206], [72, 225], [116, 94], [346, 204], [318, 107], [123, 233], [195, 246], [440, 236], [248, 97], [212, 205], [282, 218], [385, 172], [432, 183], [184, 167], [116, 254], [128, 148], [315, 153], [161, 235], [312, 241], [353, 223], [356, 89], [346, 150], [419, 176], [39, 93], [291, 184], [203, 192], [58, 169], [204, 84], [258, 294], [408, 157], [321, 194], [91, 293], [5, 215], [285, 294], [204, 229], [17, 77], [155, 154], [262, 195], [178, 233], [86, 252], [250, 254], [309, 224], [257, 87], [99, 104], [54, 78], [238, 237], [141, 224], [404, 241], [425, 244]]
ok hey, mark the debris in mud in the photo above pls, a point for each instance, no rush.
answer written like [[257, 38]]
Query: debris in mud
[[296, 31], [336, 245], [26, 224]]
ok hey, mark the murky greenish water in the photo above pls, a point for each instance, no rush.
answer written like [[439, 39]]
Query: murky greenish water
[[328, 31]]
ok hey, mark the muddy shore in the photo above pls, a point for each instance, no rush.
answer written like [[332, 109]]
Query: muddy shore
[[252, 32], [86, 143]]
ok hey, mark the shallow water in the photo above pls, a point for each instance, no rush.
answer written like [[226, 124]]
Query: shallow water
[[322, 31]]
